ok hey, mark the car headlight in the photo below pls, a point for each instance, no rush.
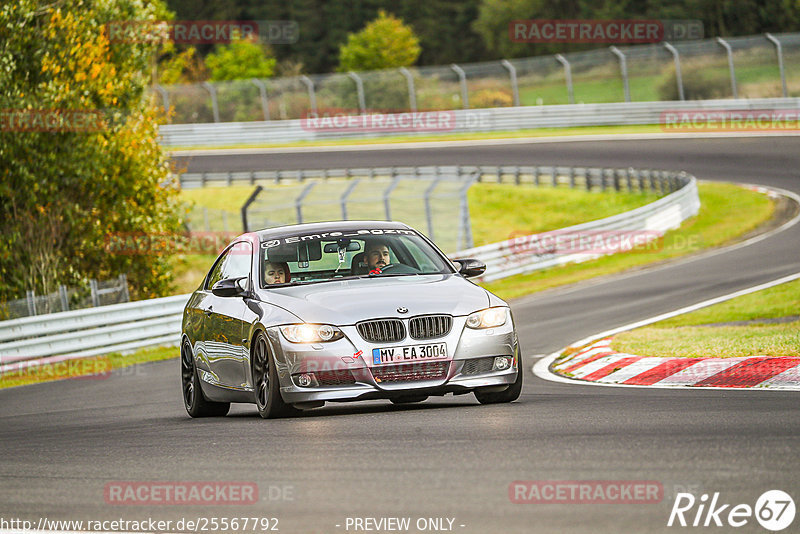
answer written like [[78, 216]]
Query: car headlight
[[488, 318], [311, 333]]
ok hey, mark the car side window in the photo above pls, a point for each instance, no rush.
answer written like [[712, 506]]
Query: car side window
[[234, 263]]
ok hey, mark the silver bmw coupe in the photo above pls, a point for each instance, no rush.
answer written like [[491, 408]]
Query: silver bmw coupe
[[291, 317]]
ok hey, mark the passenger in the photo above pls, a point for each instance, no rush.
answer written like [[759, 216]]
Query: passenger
[[376, 256], [277, 273]]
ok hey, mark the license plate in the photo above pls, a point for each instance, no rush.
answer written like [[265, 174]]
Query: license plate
[[413, 353]]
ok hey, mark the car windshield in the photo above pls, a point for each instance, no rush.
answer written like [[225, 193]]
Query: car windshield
[[334, 255]]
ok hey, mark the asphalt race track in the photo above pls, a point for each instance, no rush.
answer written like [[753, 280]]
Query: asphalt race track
[[449, 457]]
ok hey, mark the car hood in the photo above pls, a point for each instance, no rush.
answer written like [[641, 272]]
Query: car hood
[[346, 302]]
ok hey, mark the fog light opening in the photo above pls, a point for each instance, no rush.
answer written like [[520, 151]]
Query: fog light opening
[[501, 363], [306, 380]]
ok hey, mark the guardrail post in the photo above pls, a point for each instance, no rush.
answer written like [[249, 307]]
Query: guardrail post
[[428, 210], [677, 58], [262, 91], [651, 175], [229, 178], [640, 177], [362, 104], [615, 173], [312, 97], [343, 198], [629, 179], [729, 53], [516, 175], [568, 76], [164, 97], [412, 92], [123, 282], [779, 51], [388, 193], [623, 67], [587, 176], [512, 72], [572, 177], [214, 106], [250, 200], [536, 176], [462, 77], [31, 298], [553, 177], [298, 203], [62, 292], [95, 294]]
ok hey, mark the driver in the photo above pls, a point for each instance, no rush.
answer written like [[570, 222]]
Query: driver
[[277, 273], [376, 256]]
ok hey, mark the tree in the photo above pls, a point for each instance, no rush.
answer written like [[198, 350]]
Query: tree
[[384, 43], [241, 59], [67, 188]]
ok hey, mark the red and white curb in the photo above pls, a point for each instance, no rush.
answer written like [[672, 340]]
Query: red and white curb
[[600, 363]]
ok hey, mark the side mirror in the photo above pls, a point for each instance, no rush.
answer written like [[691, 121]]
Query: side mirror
[[230, 287], [469, 267]]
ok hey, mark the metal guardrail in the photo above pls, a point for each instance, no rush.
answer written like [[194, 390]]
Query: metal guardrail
[[90, 332], [525, 254], [463, 121], [56, 337]]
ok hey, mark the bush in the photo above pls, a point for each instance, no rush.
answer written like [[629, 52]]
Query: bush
[[699, 83]]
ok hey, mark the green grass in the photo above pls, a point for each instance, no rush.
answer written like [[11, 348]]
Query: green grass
[[500, 211], [682, 336], [727, 211], [712, 342], [95, 368]]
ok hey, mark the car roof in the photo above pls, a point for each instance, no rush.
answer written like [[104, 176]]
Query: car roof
[[330, 226]]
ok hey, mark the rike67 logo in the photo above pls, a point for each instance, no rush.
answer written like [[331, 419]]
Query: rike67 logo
[[774, 510]]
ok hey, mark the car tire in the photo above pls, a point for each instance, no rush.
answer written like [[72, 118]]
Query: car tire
[[193, 399], [507, 395], [268, 398], [409, 400]]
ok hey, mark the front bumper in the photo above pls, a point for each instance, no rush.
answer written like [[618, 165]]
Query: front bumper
[[469, 353]]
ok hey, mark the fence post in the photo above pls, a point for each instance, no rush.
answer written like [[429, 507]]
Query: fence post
[[587, 176], [30, 297], [729, 53], [123, 280], [343, 198], [62, 292], [677, 58], [568, 76], [298, 203], [387, 193], [615, 173], [164, 97], [465, 228], [262, 91], [412, 93], [312, 97], [462, 77], [362, 104], [213, 92], [779, 51], [553, 177], [95, 294], [572, 177], [536, 176], [512, 72], [623, 67], [428, 211], [629, 179], [250, 200]]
